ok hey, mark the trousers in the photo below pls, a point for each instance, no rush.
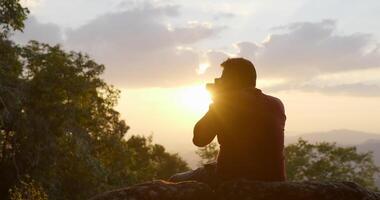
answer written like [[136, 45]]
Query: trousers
[[205, 174]]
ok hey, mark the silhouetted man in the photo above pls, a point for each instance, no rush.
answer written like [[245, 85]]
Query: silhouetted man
[[248, 124]]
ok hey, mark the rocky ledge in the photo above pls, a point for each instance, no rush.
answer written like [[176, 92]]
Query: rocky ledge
[[242, 190]]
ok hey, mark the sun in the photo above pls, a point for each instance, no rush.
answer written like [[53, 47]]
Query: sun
[[194, 98]]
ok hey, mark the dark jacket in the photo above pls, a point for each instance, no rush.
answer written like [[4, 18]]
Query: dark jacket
[[249, 126]]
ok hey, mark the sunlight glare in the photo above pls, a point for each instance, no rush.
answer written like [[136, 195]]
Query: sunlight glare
[[195, 98], [202, 68]]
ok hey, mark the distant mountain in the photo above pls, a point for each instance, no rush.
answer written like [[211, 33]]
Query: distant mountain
[[362, 140], [341, 136]]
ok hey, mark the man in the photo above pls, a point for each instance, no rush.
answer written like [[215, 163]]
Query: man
[[248, 124]]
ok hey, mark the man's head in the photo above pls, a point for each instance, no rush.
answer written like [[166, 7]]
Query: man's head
[[238, 73]]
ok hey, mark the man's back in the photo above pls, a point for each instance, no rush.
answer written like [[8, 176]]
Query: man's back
[[250, 130]]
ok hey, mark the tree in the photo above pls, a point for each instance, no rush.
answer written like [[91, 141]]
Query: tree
[[59, 132], [10, 107], [319, 162], [152, 161], [329, 162], [208, 153], [138, 159], [59, 127], [28, 189], [54, 117], [12, 16]]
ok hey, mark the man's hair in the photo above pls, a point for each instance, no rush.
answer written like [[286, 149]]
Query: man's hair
[[239, 71]]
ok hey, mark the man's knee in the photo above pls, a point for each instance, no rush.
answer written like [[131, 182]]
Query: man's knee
[[205, 174]]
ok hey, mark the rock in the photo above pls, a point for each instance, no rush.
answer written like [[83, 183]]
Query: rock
[[245, 190], [160, 190], [242, 190]]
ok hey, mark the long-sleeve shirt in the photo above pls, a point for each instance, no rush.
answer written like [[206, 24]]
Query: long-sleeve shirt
[[249, 126]]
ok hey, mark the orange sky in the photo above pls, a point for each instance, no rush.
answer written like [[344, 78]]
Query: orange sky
[[170, 114]]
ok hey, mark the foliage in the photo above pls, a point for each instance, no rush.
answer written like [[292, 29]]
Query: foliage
[[329, 162], [57, 124], [152, 161], [28, 189], [319, 162], [208, 153], [12, 16]]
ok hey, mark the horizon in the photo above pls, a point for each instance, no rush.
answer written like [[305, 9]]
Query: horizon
[[324, 66], [163, 99]]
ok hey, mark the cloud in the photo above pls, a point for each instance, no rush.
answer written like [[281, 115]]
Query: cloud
[[140, 49], [247, 49], [353, 89], [309, 49], [362, 89], [215, 58], [139, 46], [43, 32], [299, 52], [222, 15]]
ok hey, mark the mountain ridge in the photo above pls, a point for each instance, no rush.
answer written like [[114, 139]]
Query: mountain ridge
[[339, 136]]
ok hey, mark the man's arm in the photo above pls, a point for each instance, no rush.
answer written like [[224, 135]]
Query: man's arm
[[206, 129]]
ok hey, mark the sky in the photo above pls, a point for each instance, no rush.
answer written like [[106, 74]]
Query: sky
[[321, 58]]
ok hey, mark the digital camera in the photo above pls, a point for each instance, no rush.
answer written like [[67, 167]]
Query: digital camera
[[215, 87]]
